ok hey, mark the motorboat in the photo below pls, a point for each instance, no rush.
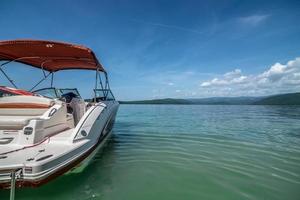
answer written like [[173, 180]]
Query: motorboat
[[47, 132]]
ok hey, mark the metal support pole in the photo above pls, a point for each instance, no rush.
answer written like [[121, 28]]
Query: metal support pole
[[95, 91], [107, 87], [52, 74], [107, 82], [40, 82], [96, 79], [10, 80], [12, 185], [100, 81]]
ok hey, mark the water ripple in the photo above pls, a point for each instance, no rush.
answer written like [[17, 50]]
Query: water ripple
[[192, 152]]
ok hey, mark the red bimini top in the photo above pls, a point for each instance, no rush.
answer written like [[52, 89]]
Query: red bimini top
[[15, 91], [49, 55]]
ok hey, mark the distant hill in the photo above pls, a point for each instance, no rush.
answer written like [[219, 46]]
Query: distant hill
[[281, 99], [225, 100], [204, 101], [158, 101]]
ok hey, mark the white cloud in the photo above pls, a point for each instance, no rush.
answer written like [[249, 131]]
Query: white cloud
[[277, 79], [227, 79], [233, 74], [253, 19]]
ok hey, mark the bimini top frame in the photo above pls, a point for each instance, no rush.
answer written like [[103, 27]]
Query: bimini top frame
[[50, 56]]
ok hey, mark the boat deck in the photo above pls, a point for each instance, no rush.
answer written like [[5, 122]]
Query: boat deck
[[17, 156]]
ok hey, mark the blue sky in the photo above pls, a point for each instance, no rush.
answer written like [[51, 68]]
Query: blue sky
[[158, 49]]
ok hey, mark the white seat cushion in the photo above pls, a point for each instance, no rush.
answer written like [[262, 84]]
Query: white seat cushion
[[24, 105], [26, 99], [14, 122], [21, 112]]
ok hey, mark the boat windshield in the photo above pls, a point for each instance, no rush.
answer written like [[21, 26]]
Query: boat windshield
[[47, 92], [69, 90], [57, 93]]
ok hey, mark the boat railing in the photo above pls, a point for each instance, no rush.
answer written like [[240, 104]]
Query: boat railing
[[11, 175]]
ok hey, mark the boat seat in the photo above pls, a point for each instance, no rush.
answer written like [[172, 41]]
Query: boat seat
[[24, 105], [78, 106], [14, 122], [17, 111]]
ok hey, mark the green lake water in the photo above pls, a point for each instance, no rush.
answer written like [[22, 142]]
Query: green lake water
[[189, 153]]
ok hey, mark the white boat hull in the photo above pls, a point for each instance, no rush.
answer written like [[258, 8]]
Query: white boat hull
[[41, 163]]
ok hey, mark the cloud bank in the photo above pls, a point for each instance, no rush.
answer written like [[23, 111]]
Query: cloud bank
[[279, 78]]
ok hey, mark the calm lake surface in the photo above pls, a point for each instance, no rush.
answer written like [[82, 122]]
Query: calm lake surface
[[190, 152]]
